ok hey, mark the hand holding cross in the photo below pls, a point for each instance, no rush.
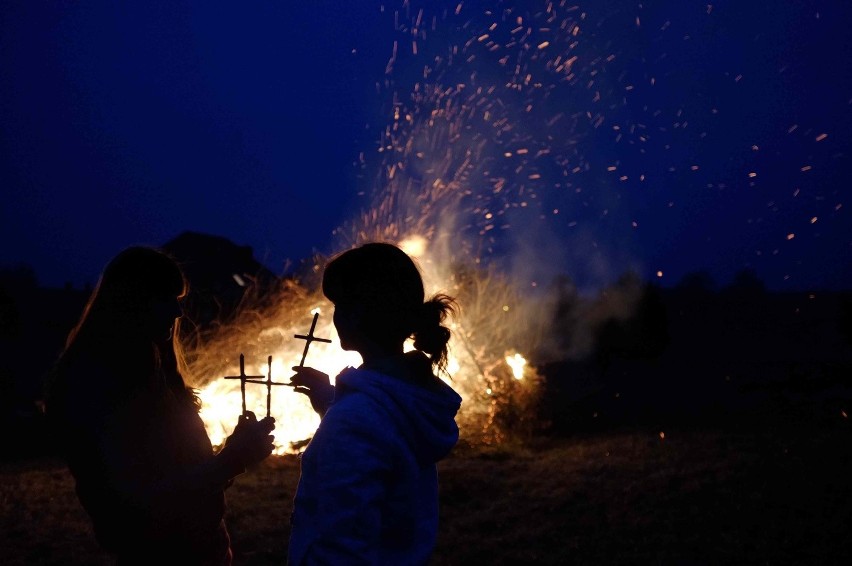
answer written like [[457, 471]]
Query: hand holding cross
[[259, 379]]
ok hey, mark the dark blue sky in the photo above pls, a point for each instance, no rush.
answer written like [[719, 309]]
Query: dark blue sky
[[715, 137]]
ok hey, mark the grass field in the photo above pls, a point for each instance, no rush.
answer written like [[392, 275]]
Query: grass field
[[770, 493]]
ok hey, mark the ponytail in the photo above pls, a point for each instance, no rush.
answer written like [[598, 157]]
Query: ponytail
[[430, 335]]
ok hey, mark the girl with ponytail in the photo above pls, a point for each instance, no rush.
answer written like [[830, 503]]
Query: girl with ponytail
[[368, 491]]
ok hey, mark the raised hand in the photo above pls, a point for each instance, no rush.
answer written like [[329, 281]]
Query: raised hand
[[316, 385], [251, 441]]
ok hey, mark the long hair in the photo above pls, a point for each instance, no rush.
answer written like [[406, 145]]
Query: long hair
[[111, 333], [387, 283]]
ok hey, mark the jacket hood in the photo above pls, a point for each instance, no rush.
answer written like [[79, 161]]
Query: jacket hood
[[421, 404]]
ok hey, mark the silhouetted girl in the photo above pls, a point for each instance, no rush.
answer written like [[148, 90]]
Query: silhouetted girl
[[368, 492], [129, 428]]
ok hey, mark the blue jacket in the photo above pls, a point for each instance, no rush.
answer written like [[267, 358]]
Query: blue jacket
[[368, 492]]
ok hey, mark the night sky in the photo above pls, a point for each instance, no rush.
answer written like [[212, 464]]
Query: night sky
[[683, 137]]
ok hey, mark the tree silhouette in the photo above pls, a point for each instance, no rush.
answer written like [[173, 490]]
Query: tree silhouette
[[643, 333], [746, 286], [697, 284]]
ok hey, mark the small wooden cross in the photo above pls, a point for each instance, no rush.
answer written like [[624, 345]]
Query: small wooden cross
[[243, 379], [269, 383], [310, 338]]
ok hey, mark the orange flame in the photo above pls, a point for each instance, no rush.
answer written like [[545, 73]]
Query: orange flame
[[473, 370]]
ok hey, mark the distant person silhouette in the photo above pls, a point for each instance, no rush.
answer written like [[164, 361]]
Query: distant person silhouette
[[368, 491], [128, 425]]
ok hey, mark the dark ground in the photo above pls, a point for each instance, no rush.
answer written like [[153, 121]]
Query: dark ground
[[766, 491]]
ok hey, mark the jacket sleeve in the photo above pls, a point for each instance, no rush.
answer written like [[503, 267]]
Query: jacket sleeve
[[352, 463]]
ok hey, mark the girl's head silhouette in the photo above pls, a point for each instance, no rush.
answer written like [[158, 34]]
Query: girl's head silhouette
[[136, 298], [378, 295], [131, 321]]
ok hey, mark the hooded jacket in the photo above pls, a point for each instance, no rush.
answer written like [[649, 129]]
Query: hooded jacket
[[368, 492]]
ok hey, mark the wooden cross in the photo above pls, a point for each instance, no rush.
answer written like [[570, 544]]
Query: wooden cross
[[243, 379], [309, 337], [269, 383]]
